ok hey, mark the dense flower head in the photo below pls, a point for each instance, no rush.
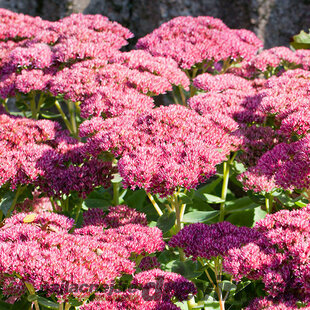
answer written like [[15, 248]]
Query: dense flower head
[[304, 56], [148, 263], [227, 94], [167, 284], [41, 153], [285, 166], [192, 40], [40, 250], [208, 241], [257, 141], [135, 238], [209, 82], [164, 148], [117, 216], [279, 256], [130, 299], [274, 57], [281, 303]]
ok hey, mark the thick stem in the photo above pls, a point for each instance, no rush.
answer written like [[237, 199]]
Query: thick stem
[[226, 170], [269, 202], [32, 291], [61, 306], [116, 186], [182, 96], [78, 211], [218, 289], [33, 106], [71, 109], [5, 101], [224, 190], [65, 119], [67, 306], [160, 213], [175, 99]]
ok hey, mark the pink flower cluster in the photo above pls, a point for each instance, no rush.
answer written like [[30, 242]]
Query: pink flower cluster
[[192, 40], [154, 290], [165, 148], [79, 58], [41, 153], [38, 249], [117, 216], [279, 256], [209, 241]]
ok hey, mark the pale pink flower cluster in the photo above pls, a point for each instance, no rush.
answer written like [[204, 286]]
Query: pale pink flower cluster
[[192, 40]]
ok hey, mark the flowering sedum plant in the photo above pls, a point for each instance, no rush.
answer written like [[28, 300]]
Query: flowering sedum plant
[[174, 175]]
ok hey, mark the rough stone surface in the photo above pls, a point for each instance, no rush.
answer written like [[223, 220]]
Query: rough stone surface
[[274, 21]]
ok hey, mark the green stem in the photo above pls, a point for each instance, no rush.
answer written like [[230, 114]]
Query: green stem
[[5, 104], [61, 306], [19, 191], [226, 170], [160, 213], [182, 96], [191, 303], [116, 186], [218, 289], [32, 291], [67, 306], [78, 211], [175, 99], [33, 106], [65, 119], [53, 204], [269, 202], [71, 109]]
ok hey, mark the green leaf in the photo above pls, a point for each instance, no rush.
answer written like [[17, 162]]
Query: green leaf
[[50, 115], [240, 204], [47, 303], [188, 269], [166, 221], [259, 214], [6, 202], [301, 40], [300, 204], [199, 216], [208, 188], [213, 199], [167, 256], [185, 198], [135, 199], [97, 203], [32, 297]]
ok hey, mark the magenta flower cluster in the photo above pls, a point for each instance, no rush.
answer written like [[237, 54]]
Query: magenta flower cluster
[[38, 249], [165, 148], [41, 153], [279, 257], [209, 241]]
